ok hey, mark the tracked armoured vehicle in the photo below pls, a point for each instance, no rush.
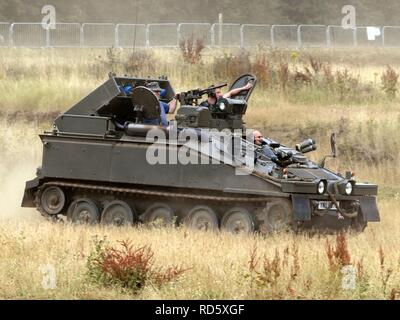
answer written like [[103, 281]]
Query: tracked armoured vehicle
[[102, 164]]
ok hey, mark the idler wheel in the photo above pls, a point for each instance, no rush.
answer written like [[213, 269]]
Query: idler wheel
[[202, 218], [276, 216], [118, 213], [83, 211], [158, 213], [237, 220], [52, 200]]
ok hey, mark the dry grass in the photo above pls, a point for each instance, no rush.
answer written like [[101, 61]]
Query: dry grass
[[289, 266], [28, 245], [53, 79]]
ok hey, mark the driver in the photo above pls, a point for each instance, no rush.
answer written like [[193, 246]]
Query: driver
[[262, 145]]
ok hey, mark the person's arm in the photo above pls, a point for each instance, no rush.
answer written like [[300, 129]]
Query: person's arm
[[234, 92], [172, 105]]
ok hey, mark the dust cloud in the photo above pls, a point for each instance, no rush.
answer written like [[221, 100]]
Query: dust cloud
[[12, 188]]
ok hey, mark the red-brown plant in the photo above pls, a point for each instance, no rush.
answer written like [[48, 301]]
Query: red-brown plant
[[191, 48], [128, 267], [338, 255]]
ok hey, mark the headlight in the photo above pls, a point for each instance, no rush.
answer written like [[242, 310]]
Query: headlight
[[321, 187], [222, 106], [349, 188]]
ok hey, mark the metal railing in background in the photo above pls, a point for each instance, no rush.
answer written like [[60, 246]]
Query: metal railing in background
[[65, 35], [362, 37], [162, 35], [196, 30], [225, 35], [98, 35], [391, 36], [339, 37], [28, 35], [284, 35], [131, 35], [106, 35], [312, 36], [4, 34], [254, 35]]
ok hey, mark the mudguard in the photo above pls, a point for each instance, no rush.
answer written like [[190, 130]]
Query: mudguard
[[369, 209], [29, 194]]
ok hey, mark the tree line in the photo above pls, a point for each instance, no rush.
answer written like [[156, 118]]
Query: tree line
[[368, 12]]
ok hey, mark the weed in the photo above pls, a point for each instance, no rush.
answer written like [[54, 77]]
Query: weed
[[111, 60], [315, 63], [295, 269], [128, 267], [283, 76], [338, 256], [346, 84], [385, 272], [140, 61], [261, 68], [230, 65], [394, 293], [362, 278], [191, 49], [389, 80]]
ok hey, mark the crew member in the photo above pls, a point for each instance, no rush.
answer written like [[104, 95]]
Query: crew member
[[164, 107], [216, 94], [263, 146]]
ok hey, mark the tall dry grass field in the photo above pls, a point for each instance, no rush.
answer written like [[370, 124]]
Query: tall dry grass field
[[357, 99]]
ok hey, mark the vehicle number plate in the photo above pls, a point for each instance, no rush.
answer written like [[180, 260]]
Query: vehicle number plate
[[323, 205]]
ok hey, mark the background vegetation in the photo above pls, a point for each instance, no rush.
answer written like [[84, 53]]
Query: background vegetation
[[299, 95], [369, 12]]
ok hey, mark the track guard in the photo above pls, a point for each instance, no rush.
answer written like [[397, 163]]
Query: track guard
[[369, 209], [29, 193]]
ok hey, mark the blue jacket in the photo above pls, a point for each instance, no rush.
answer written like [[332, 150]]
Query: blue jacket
[[164, 109]]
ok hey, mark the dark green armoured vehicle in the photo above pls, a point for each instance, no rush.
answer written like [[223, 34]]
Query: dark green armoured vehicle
[[102, 164]]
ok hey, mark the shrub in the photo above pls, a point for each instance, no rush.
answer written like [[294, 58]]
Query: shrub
[[261, 68], [385, 271], [140, 61], [128, 267], [231, 65], [111, 60], [389, 81], [283, 75], [267, 275], [338, 256]]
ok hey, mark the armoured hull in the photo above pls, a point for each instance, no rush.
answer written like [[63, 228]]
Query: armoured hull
[[96, 173]]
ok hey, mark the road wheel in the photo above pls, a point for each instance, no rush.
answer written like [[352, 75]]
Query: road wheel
[[158, 213], [83, 211], [237, 220], [118, 213], [276, 216], [202, 218], [52, 200]]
